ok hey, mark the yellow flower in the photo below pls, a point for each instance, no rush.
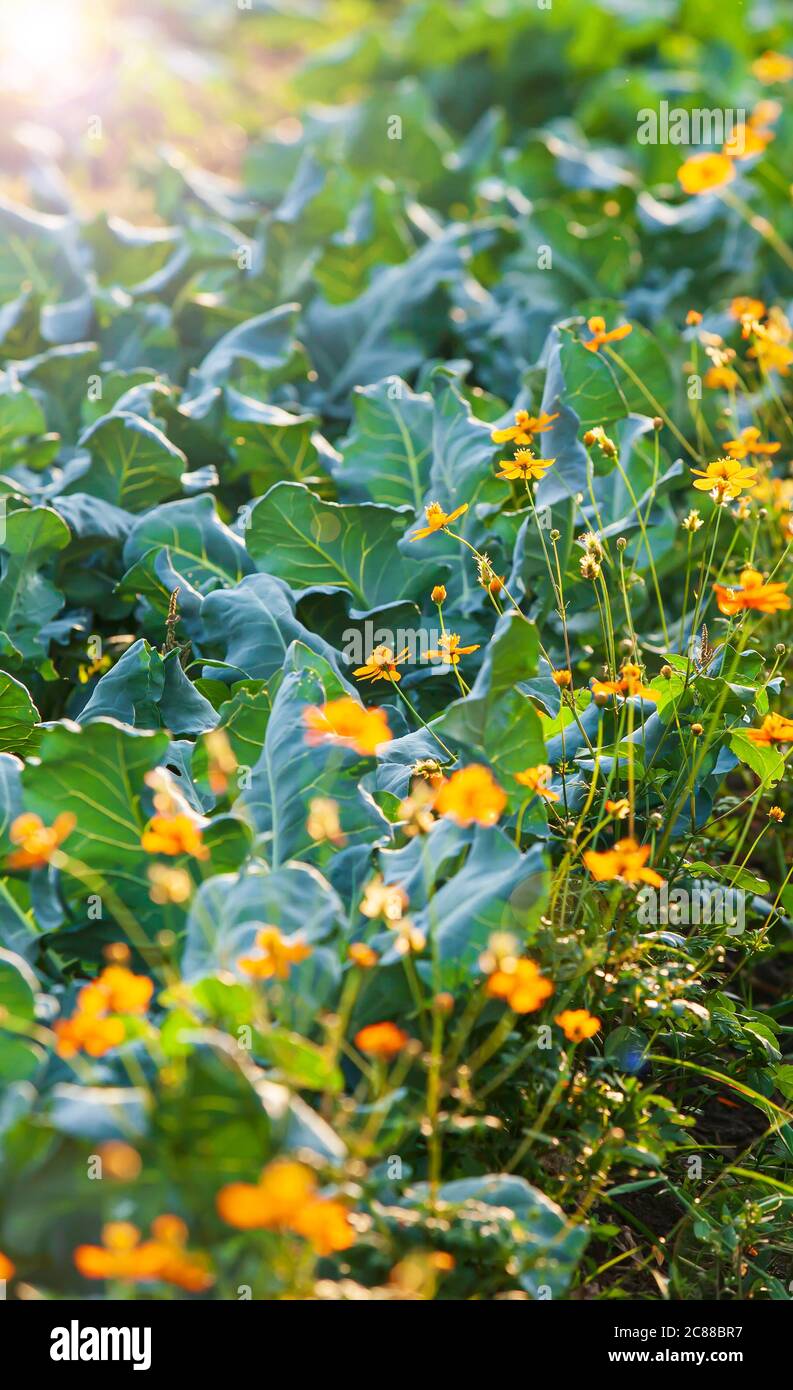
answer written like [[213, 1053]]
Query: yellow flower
[[346, 722], [471, 796], [524, 428], [775, 728], [520, 984], [122, 1255], [537, 779], [383, 1040], [776, 813], [578, 1024], [525, 466], [746, 142], [562, 678], [362, 955], [725, 479], [437, 520], [771, 348], [772, 67], [169, 885], [276, 954], [749, 443], [323, 823], [174, 835], [381, 665], [753, 594], [7, 1268], [449, 650], [38, 842], [721, 379], [438, 594], [386, 900], [703, 173], [627, 861], [597, 327], [620, 810]]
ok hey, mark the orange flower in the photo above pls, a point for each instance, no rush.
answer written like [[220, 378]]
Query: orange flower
[[119, 1160], [362, 955], [188, 1270], [520, 983], [749, 443], [753, 594], [764, 114], [747, 141], [174, 835], [630, 683], [7, 1268], [381, 665], [122, 1255], [620, 810], [725, 479], [577, 1024], [772, 67], [721, 379], [326, 1226], [744, 307], [346, 722], [221, 762], [524, 428], [525, 466], [38, 842], [703, 173], [276, 954], [537, 779], [562, 678], [775, 728], [273, 1203], [693, 317], [626, 861], [437, 520], [597, 327], [92, 1033], [471, 796], [383, 1040], [449, 650], [118, 991], [284, 1199]]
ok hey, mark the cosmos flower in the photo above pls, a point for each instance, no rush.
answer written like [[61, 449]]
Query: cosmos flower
[[578, 1024], [752, 594], [705, 173], [275, 955], [449, 650], [537, 779], [437, 520], [381, 665], [471, 796], [524, 467], [597, 327], [520, 984], [626, 861], [346, 722], [37, 842], [775, 728], [524, 428], [725, 479]]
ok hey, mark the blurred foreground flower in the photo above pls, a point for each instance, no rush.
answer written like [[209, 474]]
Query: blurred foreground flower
[[285, 1199], [520, 984], [578, 1024], [471, 796], [346, 722], [38, 842], [705, 173], [275, 955], [627, 861]]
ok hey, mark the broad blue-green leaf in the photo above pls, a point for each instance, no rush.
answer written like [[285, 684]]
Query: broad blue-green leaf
[[309, 543], [28, 599], [132, 464], [386, 456]]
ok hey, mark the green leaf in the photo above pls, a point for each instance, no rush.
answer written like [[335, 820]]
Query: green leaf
[[386, 457], [28, 598], [18, 717], [132, 464], [309, 543]]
